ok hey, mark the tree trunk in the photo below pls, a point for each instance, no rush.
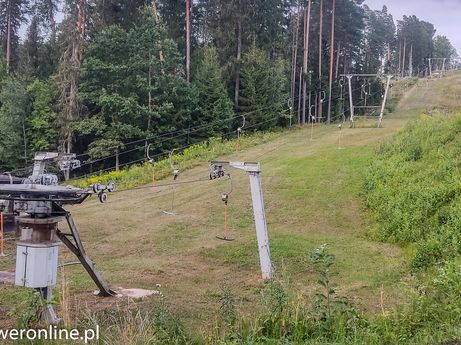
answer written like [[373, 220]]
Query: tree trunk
[[299, 94], [51, 18], [307, 17], [188, 40], [320, 103], [332, 51], [70, 85], [338, 53], [404, 57], [154, 11], [8, 41], [239, 57], [410, 62], [294, 58]]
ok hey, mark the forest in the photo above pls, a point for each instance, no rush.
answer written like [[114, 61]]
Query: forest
[[106, 78]]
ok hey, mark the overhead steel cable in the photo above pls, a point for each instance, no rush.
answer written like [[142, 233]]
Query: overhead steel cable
[[185, 131], [162, 135], [166, 153]]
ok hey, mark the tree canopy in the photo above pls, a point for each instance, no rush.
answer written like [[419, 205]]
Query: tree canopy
[[110, 78]]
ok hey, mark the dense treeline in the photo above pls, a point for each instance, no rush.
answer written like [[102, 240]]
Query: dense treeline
[[114, 76]]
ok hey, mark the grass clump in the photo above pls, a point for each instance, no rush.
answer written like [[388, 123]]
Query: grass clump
[[432, 315]]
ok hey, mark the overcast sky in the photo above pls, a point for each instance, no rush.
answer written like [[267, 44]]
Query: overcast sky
[[444, 14]]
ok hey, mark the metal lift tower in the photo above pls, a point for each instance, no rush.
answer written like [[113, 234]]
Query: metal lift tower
[[254, 171]]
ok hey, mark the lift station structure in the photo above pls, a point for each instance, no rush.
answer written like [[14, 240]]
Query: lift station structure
[[353, 107], [39, 205]]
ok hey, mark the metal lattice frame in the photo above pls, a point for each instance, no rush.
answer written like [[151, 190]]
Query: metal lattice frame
[[351, 100], [439, 72], [439, 66]]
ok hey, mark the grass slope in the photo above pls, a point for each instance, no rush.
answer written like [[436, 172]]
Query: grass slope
[[312, 195]]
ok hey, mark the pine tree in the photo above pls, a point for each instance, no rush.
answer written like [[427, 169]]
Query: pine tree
[[173, 14], [12, 15], [13, 113], [107, 90], [74, 37], [443, 48], [41, 128], [32, 45], [132, 88], [263, 94], [379, 35], [214, 105], [105, 13], [46, 11], [417, 37]]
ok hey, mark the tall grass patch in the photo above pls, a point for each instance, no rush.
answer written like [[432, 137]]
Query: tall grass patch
[[413, 189]]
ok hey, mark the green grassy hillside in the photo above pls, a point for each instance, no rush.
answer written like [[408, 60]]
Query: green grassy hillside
[[367, 285]]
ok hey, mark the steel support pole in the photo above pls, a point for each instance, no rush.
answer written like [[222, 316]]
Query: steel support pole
[[77, 248], [351, 102], [254, 171], [261, 225], [383, 106]]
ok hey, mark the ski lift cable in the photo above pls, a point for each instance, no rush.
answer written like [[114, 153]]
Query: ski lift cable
[[194, 129], [185, 130], [162, 154]]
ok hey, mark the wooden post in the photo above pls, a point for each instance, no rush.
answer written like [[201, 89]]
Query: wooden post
[[225, 221], [117, 159]]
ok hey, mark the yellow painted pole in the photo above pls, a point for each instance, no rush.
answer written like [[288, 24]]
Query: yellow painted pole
[[225, 221]]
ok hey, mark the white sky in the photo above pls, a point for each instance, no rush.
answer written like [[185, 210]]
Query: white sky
[[444, 14]]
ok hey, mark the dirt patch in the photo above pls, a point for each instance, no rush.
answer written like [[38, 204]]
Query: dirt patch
[[7, 277], [137, 293]]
